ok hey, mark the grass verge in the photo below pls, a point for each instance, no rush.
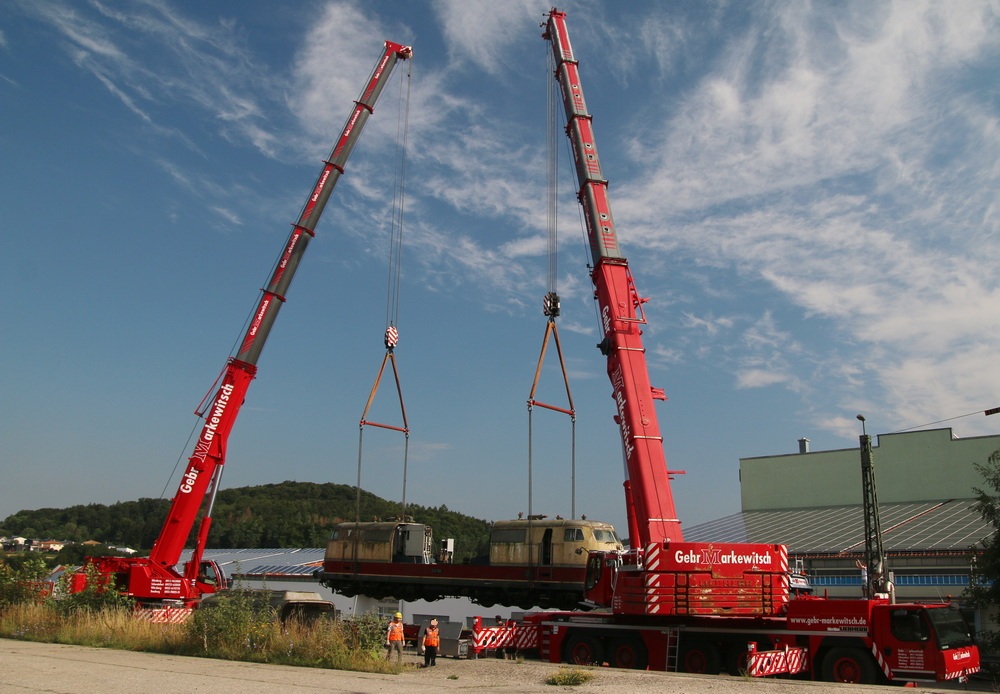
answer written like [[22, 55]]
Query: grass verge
[[240, 631]]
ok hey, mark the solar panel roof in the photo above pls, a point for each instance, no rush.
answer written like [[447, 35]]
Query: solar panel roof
[[265, 562], [906, 527]]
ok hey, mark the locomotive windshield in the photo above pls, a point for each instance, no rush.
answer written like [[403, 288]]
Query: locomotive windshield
[[606, 536]]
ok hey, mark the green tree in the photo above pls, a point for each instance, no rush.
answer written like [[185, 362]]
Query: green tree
[[289, 514], [984, 584]]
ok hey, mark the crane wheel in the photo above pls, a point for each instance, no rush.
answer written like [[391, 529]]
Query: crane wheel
[[628, 652], [583, 649], [700, 658], [849, 666]]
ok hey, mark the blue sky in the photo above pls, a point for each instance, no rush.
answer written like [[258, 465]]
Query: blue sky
[[807, 192]]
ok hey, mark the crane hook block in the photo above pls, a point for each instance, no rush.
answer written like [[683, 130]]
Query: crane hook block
[[391, 337], [550, 305]]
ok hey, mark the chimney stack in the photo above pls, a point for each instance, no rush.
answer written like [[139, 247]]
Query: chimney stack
[[803, 445]]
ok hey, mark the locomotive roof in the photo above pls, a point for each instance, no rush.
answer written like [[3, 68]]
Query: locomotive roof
[[553, 523], [376, 525]]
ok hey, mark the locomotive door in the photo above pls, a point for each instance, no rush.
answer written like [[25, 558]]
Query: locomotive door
[[547, 547]]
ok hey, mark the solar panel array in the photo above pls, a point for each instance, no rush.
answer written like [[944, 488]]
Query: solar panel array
[[906, 527], [300, 562]]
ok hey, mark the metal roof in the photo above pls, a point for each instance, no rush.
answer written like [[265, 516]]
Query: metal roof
[[265, 562], [931, 526]]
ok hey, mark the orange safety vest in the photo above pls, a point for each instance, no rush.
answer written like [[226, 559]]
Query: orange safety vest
[[395, 631], [431, 637]]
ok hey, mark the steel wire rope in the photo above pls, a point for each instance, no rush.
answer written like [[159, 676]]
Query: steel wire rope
[[941, 421], [399, 197], [551, 299], [393, 283], [554, 121]]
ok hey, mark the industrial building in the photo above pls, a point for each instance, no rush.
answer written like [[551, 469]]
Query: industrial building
[[812, 503]]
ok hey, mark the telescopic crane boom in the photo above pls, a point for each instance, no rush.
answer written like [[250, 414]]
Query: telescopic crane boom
[[620, 306], [153, 580], [662, 572]]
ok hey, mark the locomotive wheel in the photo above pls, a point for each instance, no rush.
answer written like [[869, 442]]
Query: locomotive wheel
[[628, 652], [700, 658], [582, 649], [848, 665]]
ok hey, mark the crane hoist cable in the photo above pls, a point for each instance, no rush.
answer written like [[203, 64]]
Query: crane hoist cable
[[391, 335], [550, 304]]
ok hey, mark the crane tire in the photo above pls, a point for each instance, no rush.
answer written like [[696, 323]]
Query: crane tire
[[583, 649], [849, 666], [700, 657], [628, 652]]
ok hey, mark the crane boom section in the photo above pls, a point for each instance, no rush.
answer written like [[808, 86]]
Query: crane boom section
[[302, 230], [210, 449], [655, 517]]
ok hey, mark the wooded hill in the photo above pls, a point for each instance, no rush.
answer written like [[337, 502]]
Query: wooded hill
[[290, 514]]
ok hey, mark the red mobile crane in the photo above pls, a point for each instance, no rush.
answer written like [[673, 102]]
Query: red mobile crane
[[153, 581], [717, 578], [701, 607]]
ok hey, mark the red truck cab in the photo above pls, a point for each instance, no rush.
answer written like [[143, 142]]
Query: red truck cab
[[853, 640]]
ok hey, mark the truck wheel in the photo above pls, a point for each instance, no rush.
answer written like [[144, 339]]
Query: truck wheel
[[700, 658], [582, 649], [848, 665], [628, 652], [737, 654], [736, 660]]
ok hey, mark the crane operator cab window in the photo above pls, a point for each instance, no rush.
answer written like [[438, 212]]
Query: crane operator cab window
[[210, 573], [907, 625]]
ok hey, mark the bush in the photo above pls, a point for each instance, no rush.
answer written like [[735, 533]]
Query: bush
[[98, 595], [569, 677], [353, 644], [22, 580], [239, 626]]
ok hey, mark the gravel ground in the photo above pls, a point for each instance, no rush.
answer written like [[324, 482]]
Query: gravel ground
[[54, 668], [492, 674]]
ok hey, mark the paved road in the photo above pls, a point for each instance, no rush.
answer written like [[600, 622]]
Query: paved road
[[53, 668]]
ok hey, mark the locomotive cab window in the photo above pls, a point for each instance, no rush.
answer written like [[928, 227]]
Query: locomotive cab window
[[508, 536], [573, 535], [606, 536]]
